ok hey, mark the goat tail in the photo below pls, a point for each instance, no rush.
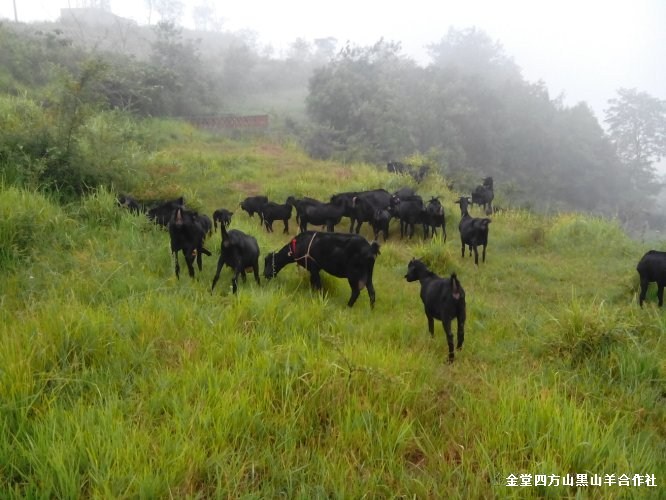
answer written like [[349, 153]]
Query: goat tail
[[455, 286]]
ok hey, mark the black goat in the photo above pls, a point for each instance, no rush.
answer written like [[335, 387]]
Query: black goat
[[239, 251], [187, 235], [473, 231], [324, 214], [131, 204], [271, 212], [410, 211], [205, 223], [652, 267], [253, 204], [300, 204], [162, 213], [223, 216], [365, 204], [484, 195], [376, 198], [397, 167], [342, 255], [443, 299], [380, 223], [435, 217]]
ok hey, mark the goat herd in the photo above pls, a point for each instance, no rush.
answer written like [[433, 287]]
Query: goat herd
[[348, 255]]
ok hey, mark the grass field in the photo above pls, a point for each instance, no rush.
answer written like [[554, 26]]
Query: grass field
[[118, 380]]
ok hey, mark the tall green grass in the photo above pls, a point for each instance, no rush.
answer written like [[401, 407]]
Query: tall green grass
[[118, 380]]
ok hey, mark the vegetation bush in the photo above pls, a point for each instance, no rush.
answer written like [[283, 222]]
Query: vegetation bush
[[40, 149]]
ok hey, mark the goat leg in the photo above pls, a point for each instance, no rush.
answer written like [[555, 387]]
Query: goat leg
[[255, 269], [449, 338], [371, 291], [431, 325], [177, 265], [220, 263], [355, 291]]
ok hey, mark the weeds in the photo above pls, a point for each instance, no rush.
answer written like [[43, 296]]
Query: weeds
[[118, 380]]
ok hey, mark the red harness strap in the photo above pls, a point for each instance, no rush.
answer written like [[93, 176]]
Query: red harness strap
[[293, 248]]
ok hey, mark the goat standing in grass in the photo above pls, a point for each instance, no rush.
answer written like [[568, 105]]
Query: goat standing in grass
[[473, 231], [652, 267], [187, 235], [443, 299], [239, 251]]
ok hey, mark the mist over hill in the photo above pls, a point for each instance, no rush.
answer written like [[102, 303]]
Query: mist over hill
[[469, 112]]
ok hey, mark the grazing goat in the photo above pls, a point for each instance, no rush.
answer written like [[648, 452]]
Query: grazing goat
[[342, 255], [324, 214], [301, 204], [357, 212], [366, 204], [473, 231], [274, 211], [223, 216], [239, 251], [443, 299], [253, 204], [187, 235], [652, 267]]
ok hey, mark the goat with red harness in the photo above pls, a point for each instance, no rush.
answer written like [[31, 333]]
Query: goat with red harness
[[343, 255]]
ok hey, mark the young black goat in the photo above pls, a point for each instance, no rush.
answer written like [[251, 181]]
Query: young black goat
[[187, 235], [473, 231], [652, 267], [443, 299], [239, 251]]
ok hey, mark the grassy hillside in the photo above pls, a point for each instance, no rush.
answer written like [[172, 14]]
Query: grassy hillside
[[118, 380]]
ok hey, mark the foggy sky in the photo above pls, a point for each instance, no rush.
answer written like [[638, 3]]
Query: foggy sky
[[585, 49]]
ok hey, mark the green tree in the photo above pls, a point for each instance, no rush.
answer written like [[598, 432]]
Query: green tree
[[637, 126], [472, 52], [184, 86], [355, 103]]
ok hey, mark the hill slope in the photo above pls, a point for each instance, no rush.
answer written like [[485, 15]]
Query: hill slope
[[119, 380]]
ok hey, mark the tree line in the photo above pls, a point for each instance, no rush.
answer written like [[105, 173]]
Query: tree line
[[468, 113]]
